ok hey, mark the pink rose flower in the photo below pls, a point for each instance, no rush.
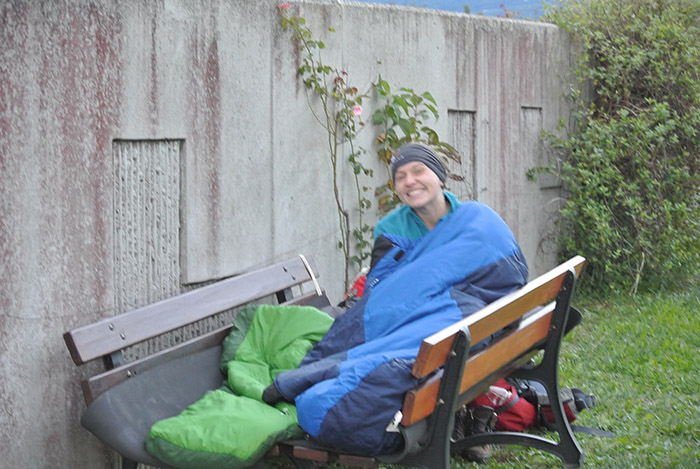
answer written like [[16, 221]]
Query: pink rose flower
[[357, 110]]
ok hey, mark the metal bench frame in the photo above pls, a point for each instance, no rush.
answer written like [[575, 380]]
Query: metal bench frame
[[452, 375], [457, 377]]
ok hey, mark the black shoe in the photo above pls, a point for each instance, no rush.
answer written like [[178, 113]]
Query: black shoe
[[477, 420], [271, 395]]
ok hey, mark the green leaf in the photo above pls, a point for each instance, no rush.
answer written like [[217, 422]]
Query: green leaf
[[432, 135], [379, 117], [383, 87], [433, 110], [429, 97], [405, 126], [402, 102], [392, 113]]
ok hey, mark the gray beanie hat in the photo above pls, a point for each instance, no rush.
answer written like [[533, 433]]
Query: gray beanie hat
[[418, 152]]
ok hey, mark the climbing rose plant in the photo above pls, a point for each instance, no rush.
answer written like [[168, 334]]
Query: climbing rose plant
[[400, 118]]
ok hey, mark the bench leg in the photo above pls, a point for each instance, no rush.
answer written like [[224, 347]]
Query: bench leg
[[547, 373], [436, 454]]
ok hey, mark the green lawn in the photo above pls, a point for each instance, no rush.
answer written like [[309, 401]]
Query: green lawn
[[641, 358]]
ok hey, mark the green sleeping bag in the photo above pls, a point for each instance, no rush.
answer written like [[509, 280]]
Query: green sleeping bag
[[231, 427]]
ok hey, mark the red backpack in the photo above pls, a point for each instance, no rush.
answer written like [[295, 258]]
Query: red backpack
[[513, 412], [526, 404]]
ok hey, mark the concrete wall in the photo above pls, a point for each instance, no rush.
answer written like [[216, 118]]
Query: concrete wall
[[149, 145]]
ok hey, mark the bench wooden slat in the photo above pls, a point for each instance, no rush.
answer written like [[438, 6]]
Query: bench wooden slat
[[532, 331], [96, 385], [356, 461], [325, 456], [482, 324], [532, 334], [116, 333], [312, 454]]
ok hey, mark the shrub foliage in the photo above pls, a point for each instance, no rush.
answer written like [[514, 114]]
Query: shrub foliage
[[631, 160]]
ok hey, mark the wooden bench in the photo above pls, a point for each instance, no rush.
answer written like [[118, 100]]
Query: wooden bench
[[125, 399], [456, 377], [122, 405]]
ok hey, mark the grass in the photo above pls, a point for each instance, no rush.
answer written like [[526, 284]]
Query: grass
[[641, 358]]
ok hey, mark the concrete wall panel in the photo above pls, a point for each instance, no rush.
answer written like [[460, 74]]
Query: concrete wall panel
[[301, 177], [146, 221], [227, 201]]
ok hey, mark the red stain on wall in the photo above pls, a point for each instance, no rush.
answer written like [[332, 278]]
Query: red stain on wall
[[12, 122], [212, 90], [78, 113], [104, 120]]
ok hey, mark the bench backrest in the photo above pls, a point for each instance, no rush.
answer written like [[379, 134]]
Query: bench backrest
[[111, 335], [534, 303]]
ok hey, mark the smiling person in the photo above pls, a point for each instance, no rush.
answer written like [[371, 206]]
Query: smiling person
[[419, 180], [442, 260]]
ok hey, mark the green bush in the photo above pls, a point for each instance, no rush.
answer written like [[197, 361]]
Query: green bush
[[630, 164]]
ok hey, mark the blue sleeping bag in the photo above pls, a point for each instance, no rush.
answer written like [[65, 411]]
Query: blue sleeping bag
[[350, 386]]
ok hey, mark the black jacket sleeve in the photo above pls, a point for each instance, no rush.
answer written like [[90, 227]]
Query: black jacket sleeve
[[381, 246]]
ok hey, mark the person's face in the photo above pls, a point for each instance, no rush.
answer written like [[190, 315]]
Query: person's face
[[417, 186]]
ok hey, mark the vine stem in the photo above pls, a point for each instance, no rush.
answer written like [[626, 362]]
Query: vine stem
[[338, 116], [330, 125]]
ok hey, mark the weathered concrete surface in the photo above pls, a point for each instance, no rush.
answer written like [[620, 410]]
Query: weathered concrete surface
[[80, 80]]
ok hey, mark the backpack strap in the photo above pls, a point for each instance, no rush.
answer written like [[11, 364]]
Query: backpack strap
[[582, 400], [508, 405], [591, 431]]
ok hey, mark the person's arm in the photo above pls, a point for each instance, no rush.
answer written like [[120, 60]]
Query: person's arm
[[381, 246]]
